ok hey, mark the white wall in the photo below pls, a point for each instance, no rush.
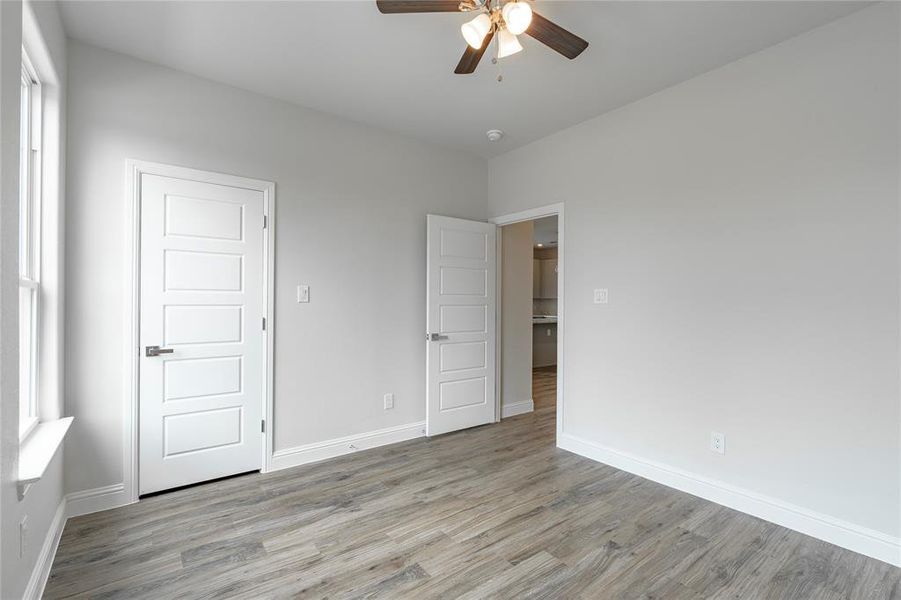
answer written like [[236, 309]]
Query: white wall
[[350, 222], [47, 43], [10, 70], [516, 313], [746, 223]]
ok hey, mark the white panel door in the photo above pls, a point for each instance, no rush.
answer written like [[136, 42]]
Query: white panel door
[[461, 299], [201, 396]]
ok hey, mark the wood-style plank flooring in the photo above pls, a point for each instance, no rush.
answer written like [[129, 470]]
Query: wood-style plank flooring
[[492, 512], [544, 387]]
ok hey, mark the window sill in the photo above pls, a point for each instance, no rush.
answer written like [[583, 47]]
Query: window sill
[[26, 428], [38, 449]]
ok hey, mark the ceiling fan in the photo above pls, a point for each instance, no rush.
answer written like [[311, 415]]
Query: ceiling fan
[[506, 19]]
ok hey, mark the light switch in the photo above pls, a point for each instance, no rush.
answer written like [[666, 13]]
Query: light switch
[[303, 293], [600, 296]]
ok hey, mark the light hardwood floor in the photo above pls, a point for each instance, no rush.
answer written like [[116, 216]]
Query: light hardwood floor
[[544, 387], [495, 511]]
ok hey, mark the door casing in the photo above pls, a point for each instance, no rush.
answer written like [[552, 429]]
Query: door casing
[[130, 426], [549, 210]]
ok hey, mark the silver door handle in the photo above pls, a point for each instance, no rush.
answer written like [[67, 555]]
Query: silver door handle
[[434, 337], [156, 351]]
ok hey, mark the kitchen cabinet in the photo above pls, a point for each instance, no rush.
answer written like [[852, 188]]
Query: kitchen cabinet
[[544, 278]]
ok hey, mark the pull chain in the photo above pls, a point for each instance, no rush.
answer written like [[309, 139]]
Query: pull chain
[[495, 61]]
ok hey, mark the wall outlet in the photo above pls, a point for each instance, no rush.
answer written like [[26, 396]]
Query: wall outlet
[[389, 401], [23, 536], [303, 293], [718, 442], [601, 296]]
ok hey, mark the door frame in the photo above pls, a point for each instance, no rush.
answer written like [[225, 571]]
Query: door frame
[[130, 412], [531, 214]]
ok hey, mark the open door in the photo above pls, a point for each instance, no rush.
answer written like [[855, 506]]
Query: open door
[[461, 339]]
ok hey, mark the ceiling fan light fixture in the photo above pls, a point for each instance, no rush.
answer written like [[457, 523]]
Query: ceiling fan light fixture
[[507, 44], [517, 15], [474, 31]]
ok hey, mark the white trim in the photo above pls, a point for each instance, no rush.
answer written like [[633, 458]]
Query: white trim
[[32, 280], [134, 170], [49, 387], [38, 450], [498, 323], [309, 453], [531, 214], [41, 571], [824, 527], [97, 499], [517, 408], [269, 333]]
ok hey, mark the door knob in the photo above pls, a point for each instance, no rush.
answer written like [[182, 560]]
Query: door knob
[[156, 351], [434, 337]]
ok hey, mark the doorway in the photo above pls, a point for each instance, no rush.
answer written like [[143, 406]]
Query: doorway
[[545, 268], [530, 313], [467, 322]]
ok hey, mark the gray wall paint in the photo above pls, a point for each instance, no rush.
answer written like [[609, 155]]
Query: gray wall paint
[[43, 498], [351, 206], [10, 73], [516, 313], [746, 223]]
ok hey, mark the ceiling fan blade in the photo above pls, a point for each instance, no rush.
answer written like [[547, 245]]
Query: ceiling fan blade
[[471, 57], [389, 7], [555, 37]]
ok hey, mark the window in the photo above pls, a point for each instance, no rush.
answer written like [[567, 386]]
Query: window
[[29, 245]]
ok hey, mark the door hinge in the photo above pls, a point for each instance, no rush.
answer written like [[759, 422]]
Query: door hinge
[[264, 323], [262, 426], [265, 221]]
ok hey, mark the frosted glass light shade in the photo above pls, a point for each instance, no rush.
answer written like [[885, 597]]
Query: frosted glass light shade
[[474, 31], [507, 44], [517, 16]]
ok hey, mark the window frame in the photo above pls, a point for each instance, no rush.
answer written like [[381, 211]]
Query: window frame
[[29, 264]]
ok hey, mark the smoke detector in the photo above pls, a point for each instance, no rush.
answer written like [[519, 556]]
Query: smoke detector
[[494, 135]]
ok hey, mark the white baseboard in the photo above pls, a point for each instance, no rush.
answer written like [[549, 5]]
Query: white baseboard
[[114, 496], [302, 455], [517, 408], [97, 499], [41, 571], [859, 539]]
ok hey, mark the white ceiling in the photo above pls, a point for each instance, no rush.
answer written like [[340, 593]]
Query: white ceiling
[[396, 71]]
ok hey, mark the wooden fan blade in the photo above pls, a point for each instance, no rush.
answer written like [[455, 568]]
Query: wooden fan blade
[[390, 7], [471, 57], [555, 37]]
